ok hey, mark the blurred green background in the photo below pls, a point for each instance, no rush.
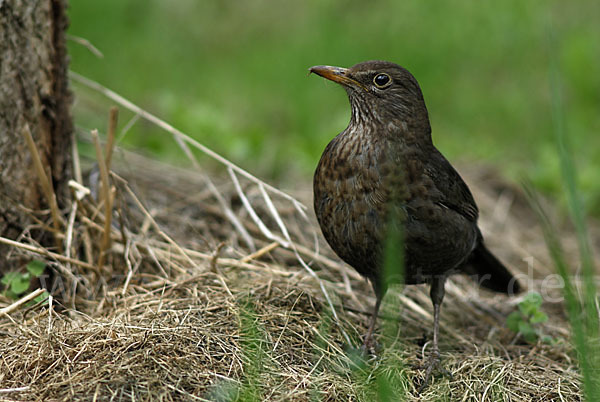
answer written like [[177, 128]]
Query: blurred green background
[[233, 75]]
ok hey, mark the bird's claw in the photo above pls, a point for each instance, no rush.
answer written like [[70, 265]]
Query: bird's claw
[[369, 346], [432, 363]]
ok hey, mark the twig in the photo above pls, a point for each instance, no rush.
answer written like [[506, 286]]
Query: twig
[[110, 135], [274, 213], [128, 126], [154, 223], [115, 235], [261, 225], [50, 309], [106, 194], [46, 184], [32, 215], [18, 389], [129, 267], [43, 251], [87, 44], [328, 262], [213, 261], [76, 160], [187, 253], [156, 261], [21, 301], [122, 226], [261, 252], [70, 225], [230, 214]]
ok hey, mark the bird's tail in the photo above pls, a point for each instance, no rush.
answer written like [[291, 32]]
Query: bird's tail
[[489, 272]]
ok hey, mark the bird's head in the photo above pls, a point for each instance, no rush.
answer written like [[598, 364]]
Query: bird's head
[[380, 92]]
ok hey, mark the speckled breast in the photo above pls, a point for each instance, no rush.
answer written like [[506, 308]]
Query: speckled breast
[[349, 200]]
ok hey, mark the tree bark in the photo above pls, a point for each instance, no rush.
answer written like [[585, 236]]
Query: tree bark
[[33, 92]]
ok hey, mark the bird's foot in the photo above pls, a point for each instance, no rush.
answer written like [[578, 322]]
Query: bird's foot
[[433, 362], [369, 346]]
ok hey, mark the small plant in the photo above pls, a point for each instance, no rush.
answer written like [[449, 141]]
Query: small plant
[[17, 283], [525, 320]]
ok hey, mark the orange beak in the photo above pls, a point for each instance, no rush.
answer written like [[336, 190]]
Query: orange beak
[[336, 74]]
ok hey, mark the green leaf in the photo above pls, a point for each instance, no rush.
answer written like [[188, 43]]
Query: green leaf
[[538, 317], [531, 337], [535, 299], [526, 329], [36, 267], [526, 306], [530, 304], [528, 332], [384, 389], [513, 320], [9, 277], [548, 339], [11, 295], [20, 284]]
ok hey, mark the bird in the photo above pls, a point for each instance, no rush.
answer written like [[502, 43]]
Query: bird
[[382, 176]]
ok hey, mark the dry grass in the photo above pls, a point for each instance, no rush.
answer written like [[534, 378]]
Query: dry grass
[[188, 305]]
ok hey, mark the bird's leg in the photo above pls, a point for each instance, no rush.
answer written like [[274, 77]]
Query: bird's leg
[[368, 341], [437, 295]]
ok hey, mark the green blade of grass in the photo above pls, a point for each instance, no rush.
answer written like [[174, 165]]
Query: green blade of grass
[[252, 342], [574, 307], [574, 201], [583, 314]]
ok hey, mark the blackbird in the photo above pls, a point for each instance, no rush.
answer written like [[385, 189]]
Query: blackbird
[[384, 172]]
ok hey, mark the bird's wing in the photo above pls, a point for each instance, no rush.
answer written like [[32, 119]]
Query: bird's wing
[[454, 193]]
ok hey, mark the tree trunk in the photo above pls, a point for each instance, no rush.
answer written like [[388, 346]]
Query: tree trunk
[[33, 92]]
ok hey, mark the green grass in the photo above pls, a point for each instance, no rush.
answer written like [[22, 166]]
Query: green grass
[[234, 75], [582, 312], [581, 301]]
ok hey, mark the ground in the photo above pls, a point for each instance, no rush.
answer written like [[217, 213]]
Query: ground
[[185, 309]]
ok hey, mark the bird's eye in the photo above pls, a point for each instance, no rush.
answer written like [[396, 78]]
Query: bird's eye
[[382, 80]]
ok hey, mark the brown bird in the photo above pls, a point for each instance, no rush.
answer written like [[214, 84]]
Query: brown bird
[[382, 173]]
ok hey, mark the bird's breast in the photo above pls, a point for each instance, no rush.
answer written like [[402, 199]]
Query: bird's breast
[[350, 198]]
